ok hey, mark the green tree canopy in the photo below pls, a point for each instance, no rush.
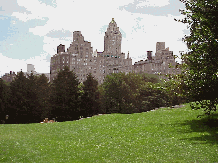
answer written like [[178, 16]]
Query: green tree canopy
[[120, 92], [4, 99], [43, 94], [19, 106], [65, 96], [202, 81], [90, 97]]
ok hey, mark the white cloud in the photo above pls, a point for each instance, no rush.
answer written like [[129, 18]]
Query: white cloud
[[24, 16], [142, 30], [9, 64], [38, 10], [154, 3]]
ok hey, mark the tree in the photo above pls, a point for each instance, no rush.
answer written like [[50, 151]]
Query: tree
[[43, 94], [4, 100], [90, 103], [19, 103], [65, 96], [34, 109], [202, 81], [111, 93], [120, 92], [150, 78], [152, 96], [131, 86]]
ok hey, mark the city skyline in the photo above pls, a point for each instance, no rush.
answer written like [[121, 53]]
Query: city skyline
[[30, 36]]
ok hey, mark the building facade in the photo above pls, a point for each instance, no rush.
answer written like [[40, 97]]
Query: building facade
[[81, 59], [9, 77], [162, 63]]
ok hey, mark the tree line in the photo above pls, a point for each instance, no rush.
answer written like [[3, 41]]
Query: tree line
[[31, 99]]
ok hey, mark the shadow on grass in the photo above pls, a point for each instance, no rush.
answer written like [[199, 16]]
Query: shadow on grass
[[202, 125]]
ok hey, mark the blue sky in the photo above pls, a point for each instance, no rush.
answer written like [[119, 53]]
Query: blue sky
[[30, 31]]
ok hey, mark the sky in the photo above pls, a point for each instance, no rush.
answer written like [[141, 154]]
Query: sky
[[30, 31]]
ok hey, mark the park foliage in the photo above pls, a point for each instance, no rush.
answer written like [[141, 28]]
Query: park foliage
[[31, 99]]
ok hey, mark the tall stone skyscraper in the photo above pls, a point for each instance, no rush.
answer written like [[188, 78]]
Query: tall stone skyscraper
[[79, 57], [112, 39]]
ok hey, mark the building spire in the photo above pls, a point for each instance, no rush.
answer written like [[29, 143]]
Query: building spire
[[112, 20]]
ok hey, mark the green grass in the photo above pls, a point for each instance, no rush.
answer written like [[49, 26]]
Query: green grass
[[164, 135]]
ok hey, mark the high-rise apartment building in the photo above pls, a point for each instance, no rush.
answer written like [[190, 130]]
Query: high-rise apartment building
[[30, 68], [162, 63], [80, 58], [112, 39]]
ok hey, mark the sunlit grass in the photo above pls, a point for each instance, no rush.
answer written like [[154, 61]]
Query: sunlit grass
[[164, 135]]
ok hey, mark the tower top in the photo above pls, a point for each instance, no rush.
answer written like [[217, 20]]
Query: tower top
[[112, 20]]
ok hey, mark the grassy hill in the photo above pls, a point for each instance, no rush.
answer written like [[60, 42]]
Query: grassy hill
[[164, 135]]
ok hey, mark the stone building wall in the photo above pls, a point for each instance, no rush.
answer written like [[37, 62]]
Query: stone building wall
[[9, 77], [162, 63], [81, 59]]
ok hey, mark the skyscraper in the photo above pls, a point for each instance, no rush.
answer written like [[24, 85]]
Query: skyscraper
[[112, 39], [80, 58]]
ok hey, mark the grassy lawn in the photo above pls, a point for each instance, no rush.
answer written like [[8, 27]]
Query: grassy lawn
[[164, 135]]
